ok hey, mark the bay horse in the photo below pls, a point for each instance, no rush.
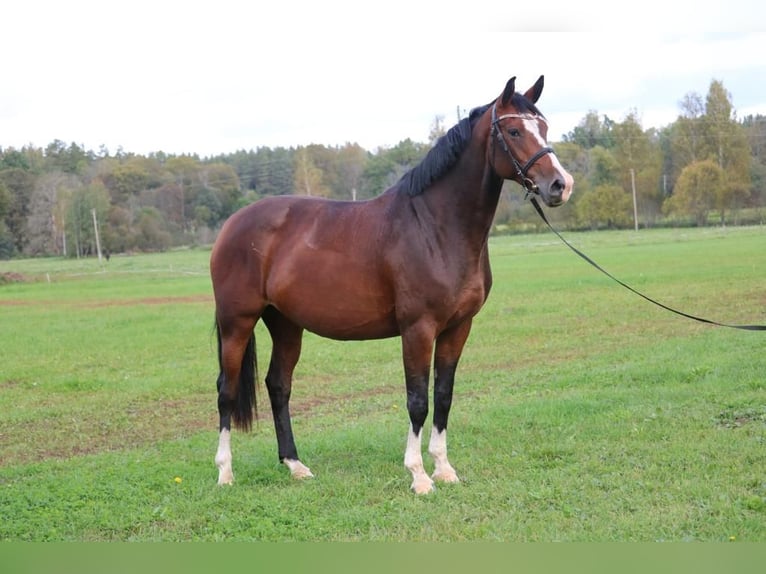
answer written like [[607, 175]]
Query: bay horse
[[410, 263]]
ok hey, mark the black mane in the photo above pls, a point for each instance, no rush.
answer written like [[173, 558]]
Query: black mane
[[444, 154]]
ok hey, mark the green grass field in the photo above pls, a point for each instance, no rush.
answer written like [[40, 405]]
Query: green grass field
[[581, 412]]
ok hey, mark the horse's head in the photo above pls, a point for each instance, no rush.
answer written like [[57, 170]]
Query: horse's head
[[519, 150]]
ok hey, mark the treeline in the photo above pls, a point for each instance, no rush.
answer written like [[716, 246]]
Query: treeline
[[706, 167], [52, 199]]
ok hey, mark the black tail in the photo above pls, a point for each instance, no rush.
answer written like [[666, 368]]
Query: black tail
[[248, 373]]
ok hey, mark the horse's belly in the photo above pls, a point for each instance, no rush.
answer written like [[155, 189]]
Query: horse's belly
[[352, 327], [342, 318], [339, 302]]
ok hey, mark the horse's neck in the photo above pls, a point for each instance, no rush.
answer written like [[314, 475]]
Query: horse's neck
[[464, 202]]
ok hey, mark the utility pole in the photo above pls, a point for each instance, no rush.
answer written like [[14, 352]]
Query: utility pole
[[95, 228], [635, 206], [63, 234]]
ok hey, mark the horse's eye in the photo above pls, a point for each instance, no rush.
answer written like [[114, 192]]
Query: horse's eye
[[514, 133]]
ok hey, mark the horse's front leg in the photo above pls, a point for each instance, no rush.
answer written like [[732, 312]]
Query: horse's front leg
[[449, 347], [417, 346]]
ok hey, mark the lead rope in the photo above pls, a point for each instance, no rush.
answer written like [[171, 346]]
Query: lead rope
[[539, 210]]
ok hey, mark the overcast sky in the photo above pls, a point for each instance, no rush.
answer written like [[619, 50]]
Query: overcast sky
[[217, 76]]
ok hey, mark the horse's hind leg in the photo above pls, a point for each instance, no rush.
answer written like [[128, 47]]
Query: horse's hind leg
[[236, 386], [286, 337]]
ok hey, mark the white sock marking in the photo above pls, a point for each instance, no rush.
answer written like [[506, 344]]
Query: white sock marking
[[297, 468], [223, 458], [437, 448], [413, 461]]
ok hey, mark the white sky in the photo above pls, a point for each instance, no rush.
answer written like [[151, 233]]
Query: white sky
[[217, 76]]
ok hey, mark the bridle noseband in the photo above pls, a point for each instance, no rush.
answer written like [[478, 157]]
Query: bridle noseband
[[521, 170]]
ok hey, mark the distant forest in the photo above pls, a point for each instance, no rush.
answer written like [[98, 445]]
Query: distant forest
[[706, 168]]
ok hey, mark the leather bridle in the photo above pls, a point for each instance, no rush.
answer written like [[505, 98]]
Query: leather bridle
[[521, 170]]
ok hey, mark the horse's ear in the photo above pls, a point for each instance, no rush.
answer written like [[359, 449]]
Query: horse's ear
[[509, 90], [533, 93]]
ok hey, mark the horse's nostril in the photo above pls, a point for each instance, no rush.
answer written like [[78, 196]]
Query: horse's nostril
[[556, 189]]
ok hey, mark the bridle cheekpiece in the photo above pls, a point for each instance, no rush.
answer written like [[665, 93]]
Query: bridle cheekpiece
[[521, 170]]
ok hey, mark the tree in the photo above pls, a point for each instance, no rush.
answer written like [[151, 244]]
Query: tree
[[207, 208], [638, 155], [755, 129], [45, 224], [221, 180], [20, 184], [184, 170], [271, 171], [578, 162], [69, 159], [717, 121], [350, 164], [308, 177], [708, 130], [603, 167], [379, 174], [726, 144], [687, 135], [387, 166], [151, 233], [407, 153], [606, 205], [574, 157], [592, 132], [697, 191], [118, 235], [169, 200], [6, 241], [80, 201], [131, 177], [13, 158]]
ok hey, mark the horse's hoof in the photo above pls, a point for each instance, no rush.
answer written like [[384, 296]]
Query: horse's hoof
[[423, 486], [298, 470], [449, 476], [225, 478]]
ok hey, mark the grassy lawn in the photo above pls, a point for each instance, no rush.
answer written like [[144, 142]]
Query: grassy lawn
[[581, 412]]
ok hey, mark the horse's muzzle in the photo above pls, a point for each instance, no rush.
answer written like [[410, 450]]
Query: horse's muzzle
[[558, 191]]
